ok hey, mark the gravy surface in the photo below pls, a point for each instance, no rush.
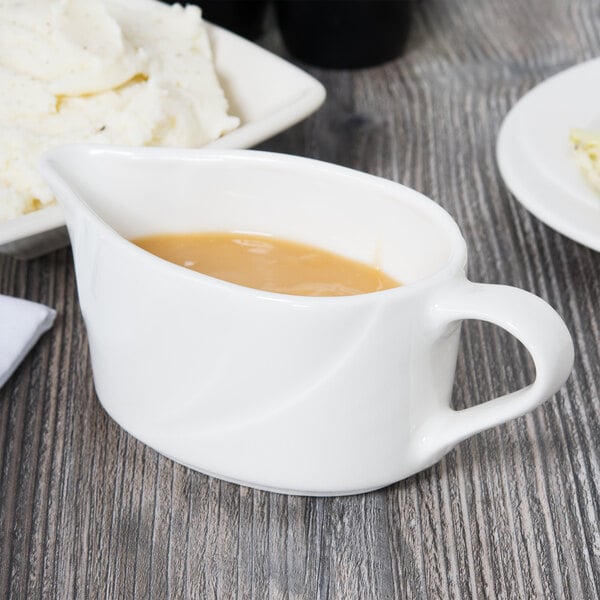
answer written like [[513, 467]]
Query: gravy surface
[[266, 263]]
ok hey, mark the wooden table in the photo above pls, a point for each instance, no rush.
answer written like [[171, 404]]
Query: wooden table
[[87, 512]]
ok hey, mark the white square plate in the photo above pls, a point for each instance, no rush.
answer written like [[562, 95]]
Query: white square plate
[[267, 93]]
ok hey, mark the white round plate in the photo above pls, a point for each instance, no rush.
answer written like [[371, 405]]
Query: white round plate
[[537, 161]]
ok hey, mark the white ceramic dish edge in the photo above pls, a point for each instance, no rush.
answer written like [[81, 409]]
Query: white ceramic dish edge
[[535, 159]]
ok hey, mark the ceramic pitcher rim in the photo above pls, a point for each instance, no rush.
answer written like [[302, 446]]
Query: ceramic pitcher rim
[[438, 216]]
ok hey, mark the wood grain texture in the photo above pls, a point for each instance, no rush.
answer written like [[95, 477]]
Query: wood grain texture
[[88, 512]]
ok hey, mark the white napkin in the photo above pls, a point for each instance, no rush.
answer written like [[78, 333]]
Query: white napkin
[[21, 324]]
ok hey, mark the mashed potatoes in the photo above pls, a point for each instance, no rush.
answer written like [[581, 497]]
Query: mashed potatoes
[[133, 72]]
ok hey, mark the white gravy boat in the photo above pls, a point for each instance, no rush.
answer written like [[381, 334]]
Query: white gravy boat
[[316, 396]]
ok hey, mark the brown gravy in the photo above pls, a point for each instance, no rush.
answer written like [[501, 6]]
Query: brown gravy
[[266, 263]]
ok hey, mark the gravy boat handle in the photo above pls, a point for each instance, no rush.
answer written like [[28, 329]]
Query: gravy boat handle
[[534, 323]]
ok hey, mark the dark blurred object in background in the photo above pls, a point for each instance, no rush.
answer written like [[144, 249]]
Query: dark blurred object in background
[[245, 17], [344, 34]]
